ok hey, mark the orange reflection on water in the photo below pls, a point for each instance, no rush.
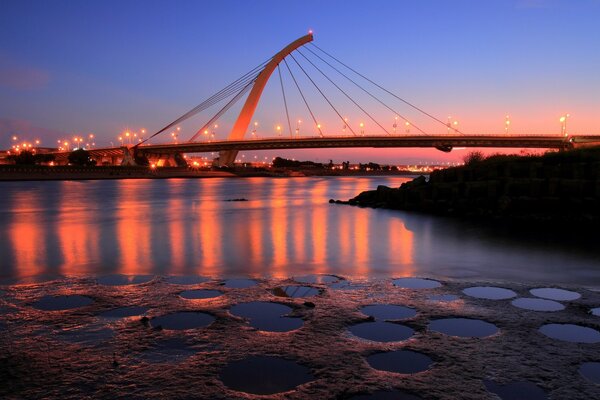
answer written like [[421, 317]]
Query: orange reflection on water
[[401, 242], [133, 228], [211, 233], [319, 228], [279, 221], [27, 238]]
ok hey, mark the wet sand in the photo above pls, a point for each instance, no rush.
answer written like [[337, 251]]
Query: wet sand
[[76, 353]]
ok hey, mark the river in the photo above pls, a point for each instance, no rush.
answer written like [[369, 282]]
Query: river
[[286, 228]]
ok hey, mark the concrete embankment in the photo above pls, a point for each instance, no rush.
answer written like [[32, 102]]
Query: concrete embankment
[[556, 187]]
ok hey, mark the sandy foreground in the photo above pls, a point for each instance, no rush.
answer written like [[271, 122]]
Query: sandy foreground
[[76, 353]]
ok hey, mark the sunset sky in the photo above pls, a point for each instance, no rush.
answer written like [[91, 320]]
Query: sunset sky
[[74, 67]]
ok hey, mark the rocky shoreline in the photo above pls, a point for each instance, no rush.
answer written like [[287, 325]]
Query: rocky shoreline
[[556, 188]]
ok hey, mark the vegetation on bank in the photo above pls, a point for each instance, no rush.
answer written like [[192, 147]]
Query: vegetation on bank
[[554, 187]]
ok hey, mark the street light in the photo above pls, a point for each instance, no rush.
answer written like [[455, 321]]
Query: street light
[[506, 124], [298, 128], [407, 125], [362, 128], [254, 130], [278, 129], [395, 124], [563, 122]]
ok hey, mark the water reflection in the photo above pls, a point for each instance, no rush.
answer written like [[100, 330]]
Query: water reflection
[[287, 228]]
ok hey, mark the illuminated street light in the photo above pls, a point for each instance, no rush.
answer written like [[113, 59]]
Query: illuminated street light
[[362, 128], [278, 129], [563, 124], [298, 128], [506, 124], [407, 125], [395, 124]]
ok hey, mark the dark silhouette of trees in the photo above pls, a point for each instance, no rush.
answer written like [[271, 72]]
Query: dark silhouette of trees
[[26, 157], [82, 158]]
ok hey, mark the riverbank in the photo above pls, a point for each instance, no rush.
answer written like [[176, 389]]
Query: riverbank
[[44, 173], [561, 189], [111, 337]]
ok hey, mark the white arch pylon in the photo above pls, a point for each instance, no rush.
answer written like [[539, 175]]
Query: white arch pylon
[[227, 158]]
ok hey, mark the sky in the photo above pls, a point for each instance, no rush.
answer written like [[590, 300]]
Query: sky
[[78, 67]]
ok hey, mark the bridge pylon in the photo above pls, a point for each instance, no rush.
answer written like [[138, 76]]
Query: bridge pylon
[[227, 157]]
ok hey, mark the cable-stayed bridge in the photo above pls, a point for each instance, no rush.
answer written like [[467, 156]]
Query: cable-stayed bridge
[[308, 60]]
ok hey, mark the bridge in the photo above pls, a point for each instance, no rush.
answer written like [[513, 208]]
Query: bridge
[[254, 82]]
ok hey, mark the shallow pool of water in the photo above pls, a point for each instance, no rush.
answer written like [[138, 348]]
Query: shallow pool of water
[[186, 279], [380, 331], [400, 361], [590, 371], [264, 375], [240, 283], [555, 294], [571, 333], [267, 316], [463, 327], [489, 293], [316, 279], [416, 283], [57, 303], [123, 312], [182, 320], [295, 291], [443, 297], [537, 304]]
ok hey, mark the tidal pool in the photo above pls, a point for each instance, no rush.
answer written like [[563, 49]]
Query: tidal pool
[[416, 283], [537, 304], [200, 294], [264, 375], [388, 311], [516, 390], [123, 312], [295, 291], [400, 361], [121, 280], [57, 303], [183, 320], [555, 294], [386, 395], [186, 279], [267, 316], [239, 283], [490, 293], [595, 311], [571, 333], [379, 331], [590, 371], [463, 327]]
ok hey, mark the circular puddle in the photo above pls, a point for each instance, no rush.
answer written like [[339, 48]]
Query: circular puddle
[[239, 283], [571, 333], [388, 311], [346, 285], [315, 278], [595, 311], [200, 294], [416, 283], [121, 280], [381, 331], [516, 390], [555, 294], [87, 336], [186, 279], [443, 297], [123, 312], [264, 375], [168, 351], [400, 361], [537, 304], [463, 327], [590, 371], [57, 303], [267, 316], [387, 395], [489, 292], [183, 320], [295, 291]]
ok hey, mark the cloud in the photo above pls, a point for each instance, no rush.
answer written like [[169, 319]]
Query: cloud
[[22, 77]]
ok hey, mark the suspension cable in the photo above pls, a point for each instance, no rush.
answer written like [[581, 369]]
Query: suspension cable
[[346, 94], [285, 102], [222, 94], [387, 91], [368, 92], [304, 98], [322, 94]]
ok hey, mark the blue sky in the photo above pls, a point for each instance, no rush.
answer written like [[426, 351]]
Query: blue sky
[[71, 67]]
